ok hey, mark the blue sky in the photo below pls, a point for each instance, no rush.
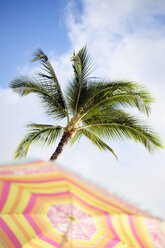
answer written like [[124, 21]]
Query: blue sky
[[26, 25], [126, 41]]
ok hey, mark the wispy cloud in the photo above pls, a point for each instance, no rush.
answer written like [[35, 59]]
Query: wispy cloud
[[127, 41]]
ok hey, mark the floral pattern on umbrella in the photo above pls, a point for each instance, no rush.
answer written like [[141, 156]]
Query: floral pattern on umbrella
[[83, 226]]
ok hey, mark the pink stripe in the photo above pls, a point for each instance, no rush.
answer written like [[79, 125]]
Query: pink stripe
[[10, 234], [30, 205], [32, 223], [36, 181], [109, 222], [112, 243], [4, 195], [134, 231], [48, 240]]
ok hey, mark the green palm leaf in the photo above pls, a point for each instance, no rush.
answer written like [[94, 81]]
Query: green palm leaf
[[117, 94], [93, 138], [124, 126], [48, 76], [38, 133], [77, 89], [24, 85]]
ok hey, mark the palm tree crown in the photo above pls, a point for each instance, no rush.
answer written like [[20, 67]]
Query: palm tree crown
[[93, 107]]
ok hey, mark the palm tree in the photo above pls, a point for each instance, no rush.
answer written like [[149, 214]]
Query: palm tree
[[93, 107]]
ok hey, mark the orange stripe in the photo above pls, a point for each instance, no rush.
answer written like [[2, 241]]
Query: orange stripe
[[5, 239], [39, 223], [37, 205], [53, 237], [54, 198], [18, 224], [140, 231], [105, 227], [127, 240], [52, 176], [1, 186]]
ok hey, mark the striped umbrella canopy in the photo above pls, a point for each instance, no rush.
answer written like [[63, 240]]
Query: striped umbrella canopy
[[44, 206]]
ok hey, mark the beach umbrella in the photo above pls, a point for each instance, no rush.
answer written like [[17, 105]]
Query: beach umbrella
[[44, 206]]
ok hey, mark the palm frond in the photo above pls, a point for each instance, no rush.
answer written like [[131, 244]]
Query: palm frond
[[82, 64], [39, 55], [93, 138], [117, 94], [77, 89], [50, 79], [24, 85], [38, 133], [103, 115], [124, 126]]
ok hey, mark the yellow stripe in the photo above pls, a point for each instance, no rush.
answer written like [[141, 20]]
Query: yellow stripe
[[23, 202], [128, 231], [10, 199], [117, 227], [48, 185], [17, 221], [140, 222], [26, 225], [122, 245], [47, 190], [127, 246], [38, 243]]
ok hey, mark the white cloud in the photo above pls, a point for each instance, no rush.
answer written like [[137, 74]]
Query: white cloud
[[127, 41], [15, 112]]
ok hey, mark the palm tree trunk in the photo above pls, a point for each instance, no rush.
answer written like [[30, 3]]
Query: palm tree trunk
[[64, 140]]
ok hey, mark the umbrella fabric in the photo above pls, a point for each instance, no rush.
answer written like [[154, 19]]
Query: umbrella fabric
[[44, 206]]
